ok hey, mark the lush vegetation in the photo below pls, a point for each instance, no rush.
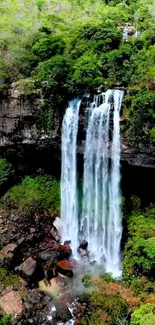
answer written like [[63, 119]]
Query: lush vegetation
[[143, 316], [72, 47], [5, 320], [7, 279], [130, 300], [5, 171], [39, 194], [139, 262], [57, 50]]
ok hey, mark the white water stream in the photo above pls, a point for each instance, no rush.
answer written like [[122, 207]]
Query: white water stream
[[69, 205], [100, 221]]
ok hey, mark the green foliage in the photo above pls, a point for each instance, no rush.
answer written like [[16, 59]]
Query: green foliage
[[26, 86], [72, 47], [8, 279], [55, 72], [35, 195], [140, 249], [112, 305], [86, 73], [49, 46], [87, 280], [143, 316], [45, 119], [5, 320], [5, 170], [142, 116]]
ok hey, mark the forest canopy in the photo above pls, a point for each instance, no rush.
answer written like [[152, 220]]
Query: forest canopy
[[73, 47]]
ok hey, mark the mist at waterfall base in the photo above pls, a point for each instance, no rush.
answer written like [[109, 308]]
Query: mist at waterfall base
[[99, 222]]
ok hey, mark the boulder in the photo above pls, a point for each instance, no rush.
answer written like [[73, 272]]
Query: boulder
[[65, 267], [50, 255], [55, 234], [10, 303], [83, 244], [28, 267], [35, 296], [62, 312], [67, 243], [65, 251], [7, 252], [58, 224]]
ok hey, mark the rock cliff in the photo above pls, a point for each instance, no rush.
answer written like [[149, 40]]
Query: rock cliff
[[19, 111]]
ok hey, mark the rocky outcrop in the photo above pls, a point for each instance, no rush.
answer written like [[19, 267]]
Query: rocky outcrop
[[142, 157], [10, 302], [19, 110], [21, 135]]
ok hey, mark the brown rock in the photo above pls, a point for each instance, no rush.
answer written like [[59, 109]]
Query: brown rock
[[11, 303], [7, 251], [65, 268], [65, 250], [28, 267], [66, 265]]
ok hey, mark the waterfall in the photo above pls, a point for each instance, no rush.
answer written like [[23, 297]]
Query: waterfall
[[69, 205], [100, 220], [114, 224], [101, 215]]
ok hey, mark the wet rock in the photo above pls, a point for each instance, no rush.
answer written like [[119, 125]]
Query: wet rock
[[58, 224], [50, 314], [11, 303], [55, 234], [65, 251], [62, 312], [67, 243], [83, 244], [61, 281], [28, 267], [83, 252], [64, 267]]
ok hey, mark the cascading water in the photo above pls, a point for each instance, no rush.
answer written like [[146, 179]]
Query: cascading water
[[101, 215], [114, 225], [100, 222], [69, 205]]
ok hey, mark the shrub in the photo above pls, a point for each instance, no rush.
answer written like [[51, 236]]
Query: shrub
[[143, 316], [35, 194], [86, 73], [142, 117], [5, 320], [54, 70], [49, 46], [139, 251], [8, 279]]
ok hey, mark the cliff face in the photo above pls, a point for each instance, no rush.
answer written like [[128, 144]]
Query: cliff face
[[18, 127], [18, 118]]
